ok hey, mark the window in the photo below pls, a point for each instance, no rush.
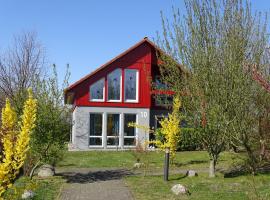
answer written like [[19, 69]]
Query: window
[[131, 85], [159, 85], [164, 100], [113, 124], [114, 85], [95, 138], [97, 91], [157, 121], [129, 132]]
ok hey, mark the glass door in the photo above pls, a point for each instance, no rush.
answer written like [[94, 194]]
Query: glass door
[[95, 137], [113, 127], [129, 132]]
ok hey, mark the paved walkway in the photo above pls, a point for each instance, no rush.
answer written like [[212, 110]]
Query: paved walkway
[[89, 184], [101, 184]]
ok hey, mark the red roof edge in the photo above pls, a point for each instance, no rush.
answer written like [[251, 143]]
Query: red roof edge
[[109, 62]]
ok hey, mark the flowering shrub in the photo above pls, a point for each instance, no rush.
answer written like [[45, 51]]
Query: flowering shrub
[[168, 136], [16, 137]]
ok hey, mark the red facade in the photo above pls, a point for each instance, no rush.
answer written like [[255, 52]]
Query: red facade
[[141, 56]]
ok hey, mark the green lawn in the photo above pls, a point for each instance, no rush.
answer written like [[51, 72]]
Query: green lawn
[[44, 189], [201, 187], [126, 159], [152, 185]]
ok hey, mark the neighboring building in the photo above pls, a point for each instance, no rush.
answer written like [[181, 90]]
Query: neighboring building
[[117, 93]]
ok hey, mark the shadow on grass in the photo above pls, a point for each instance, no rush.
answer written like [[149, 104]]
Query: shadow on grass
[[178, 178], [191, 162], [66, 165], [243, 170], [90, 177]]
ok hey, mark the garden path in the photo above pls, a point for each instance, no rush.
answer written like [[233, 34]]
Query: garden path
[[91, 184]]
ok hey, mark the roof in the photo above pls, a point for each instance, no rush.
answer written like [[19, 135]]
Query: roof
[[145, 39]]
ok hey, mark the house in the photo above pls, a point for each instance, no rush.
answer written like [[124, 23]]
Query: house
[[117, 93]]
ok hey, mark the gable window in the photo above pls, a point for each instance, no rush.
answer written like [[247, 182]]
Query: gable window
[[97, 91], [114, 85], [131, 85]]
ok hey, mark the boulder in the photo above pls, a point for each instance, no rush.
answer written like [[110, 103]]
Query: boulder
[[28, 194], [191, 173], [179, 189], [46, 171], [138, 165]]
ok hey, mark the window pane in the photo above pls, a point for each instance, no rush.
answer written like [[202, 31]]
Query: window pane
[[114, 81], [95, 141], [95, 124], [112, 128], [157, 120], [96, 90], [112, 141], [164, 100], [159, 84], [129, 142], [130, 84], [128, 118]]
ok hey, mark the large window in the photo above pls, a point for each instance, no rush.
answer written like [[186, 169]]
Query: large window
[[95, 138], [131, 85], [113, 124], [114, 85], [97, 91], [129, 132]]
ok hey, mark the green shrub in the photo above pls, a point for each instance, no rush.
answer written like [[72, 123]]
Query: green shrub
[[189, 141]]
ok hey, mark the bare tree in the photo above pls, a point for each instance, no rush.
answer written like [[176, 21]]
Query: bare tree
[[20, 66]]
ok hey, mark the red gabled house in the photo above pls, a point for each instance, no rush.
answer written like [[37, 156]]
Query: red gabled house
[[112, 96]]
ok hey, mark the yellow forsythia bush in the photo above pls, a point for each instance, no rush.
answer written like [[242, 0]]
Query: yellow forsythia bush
[[16, 137], [170, 129], [169, 134]]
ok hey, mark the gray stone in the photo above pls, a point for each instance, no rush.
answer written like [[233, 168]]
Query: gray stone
[[191, 173], [179, 189], [46, 171], [28, 194], [138, 165]]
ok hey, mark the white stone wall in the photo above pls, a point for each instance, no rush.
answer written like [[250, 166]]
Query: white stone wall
[[81, 125]]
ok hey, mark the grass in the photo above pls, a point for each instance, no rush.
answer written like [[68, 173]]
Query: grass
[[97, 159], [44, 189], [126, 159], [151, 186], [201, 187]]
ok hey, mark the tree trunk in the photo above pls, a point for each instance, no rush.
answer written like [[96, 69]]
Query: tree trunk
[[262, 151], [33, 169], [212, 168]]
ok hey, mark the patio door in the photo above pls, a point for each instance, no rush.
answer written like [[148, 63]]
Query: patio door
[[129, 132], [95, 137], [113, 127]]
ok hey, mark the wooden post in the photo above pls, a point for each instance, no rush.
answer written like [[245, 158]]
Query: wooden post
[[166, 164]]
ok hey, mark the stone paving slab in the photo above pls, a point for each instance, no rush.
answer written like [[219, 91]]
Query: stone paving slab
[[83, 184], [102, 190]]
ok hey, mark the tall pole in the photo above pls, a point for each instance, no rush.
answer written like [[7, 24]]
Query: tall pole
[[166, 164]]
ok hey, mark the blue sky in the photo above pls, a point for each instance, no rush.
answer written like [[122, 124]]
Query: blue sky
[[86, 34]]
